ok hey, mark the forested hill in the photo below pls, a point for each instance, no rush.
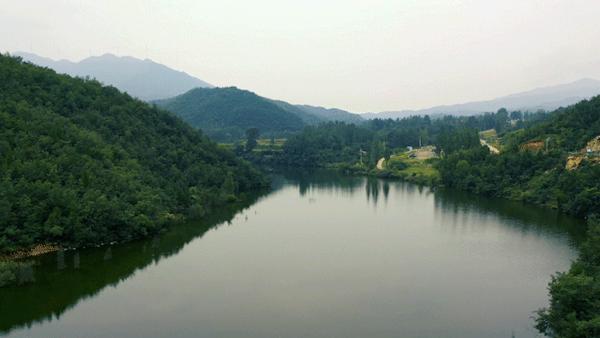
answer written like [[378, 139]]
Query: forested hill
[[555, 162], [226, 113], [83, 164], [569, 129]]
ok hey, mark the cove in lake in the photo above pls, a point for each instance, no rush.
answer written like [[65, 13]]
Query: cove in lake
[[322, 255]]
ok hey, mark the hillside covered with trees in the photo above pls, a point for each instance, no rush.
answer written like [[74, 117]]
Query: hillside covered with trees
[[532, 166], [83, 164], [225, 114]]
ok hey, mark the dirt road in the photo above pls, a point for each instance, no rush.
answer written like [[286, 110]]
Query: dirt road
[[492, 149]]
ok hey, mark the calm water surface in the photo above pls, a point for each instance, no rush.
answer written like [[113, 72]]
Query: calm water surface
[[320, 256]]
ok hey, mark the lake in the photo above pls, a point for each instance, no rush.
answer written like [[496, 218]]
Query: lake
[[322, 255]]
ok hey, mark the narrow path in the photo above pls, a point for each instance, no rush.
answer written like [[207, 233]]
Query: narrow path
[[380, 163], [492, 149]]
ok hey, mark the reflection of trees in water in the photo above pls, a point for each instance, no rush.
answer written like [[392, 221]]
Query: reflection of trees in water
[[386, 190], [460, 209], [333, 182], [60, 286], [67, 277], [372, 189], [319, 179]]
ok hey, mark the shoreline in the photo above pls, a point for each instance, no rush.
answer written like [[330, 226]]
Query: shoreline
[[36, 250]]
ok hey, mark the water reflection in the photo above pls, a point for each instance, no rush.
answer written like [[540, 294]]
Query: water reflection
[[321, 180], [330, 259], [454, 208], [459, 209], [59, 286]]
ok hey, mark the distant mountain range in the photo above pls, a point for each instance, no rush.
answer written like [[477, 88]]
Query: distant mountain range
[[546, 98], [151, 81], [144, 79], [223, 113], [226, 113]]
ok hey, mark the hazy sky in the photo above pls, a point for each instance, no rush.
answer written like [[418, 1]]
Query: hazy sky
[[358, 55]]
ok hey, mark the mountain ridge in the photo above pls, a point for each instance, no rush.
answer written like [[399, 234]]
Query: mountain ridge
[[142, 78], [225, 113], [545, 98]]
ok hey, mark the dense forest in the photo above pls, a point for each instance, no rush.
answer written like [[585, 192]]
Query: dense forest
[[83, 164], [337, 142], [574, 310]]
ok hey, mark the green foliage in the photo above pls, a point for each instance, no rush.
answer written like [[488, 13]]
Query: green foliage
[[452, 139], [569, 128], [251, 138], [82, 164], [574, 310], [332, 142], [536, 176], [226, 113]]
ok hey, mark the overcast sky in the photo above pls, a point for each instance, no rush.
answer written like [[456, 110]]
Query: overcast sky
[[358, 55]]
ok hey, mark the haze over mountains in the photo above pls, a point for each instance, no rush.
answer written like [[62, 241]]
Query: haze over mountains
[[151, 81], [546, 98], [144, 79]]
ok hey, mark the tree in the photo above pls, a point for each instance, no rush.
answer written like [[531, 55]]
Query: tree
[[501, 120], [574, 295], [516, 115], [251, 138]]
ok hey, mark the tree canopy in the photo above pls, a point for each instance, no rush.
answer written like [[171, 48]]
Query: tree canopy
[[84, 164], [226, 113]]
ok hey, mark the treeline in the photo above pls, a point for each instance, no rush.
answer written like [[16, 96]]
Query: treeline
[[331, 142], [83, 164], [337, 142]]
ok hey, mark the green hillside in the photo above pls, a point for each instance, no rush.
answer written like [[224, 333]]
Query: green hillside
[[226, 113], [82, 164], [546, 163]]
